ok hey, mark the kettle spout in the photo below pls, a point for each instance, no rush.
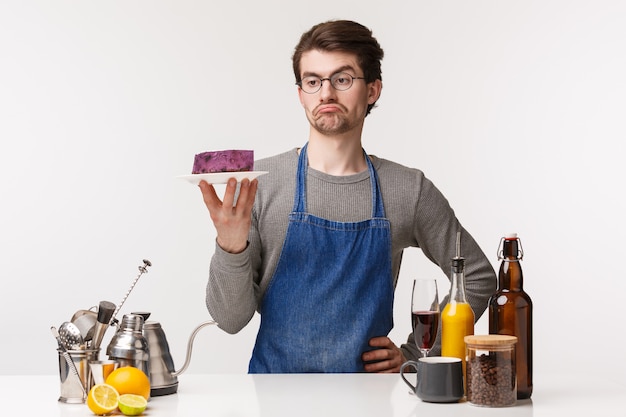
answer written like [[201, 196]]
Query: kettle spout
[[190, 346]]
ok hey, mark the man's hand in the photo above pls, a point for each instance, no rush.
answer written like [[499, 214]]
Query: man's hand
[[387, 358], [232, 222]]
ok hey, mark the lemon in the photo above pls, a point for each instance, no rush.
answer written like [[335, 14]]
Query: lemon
[[129, 380], [102, 399], [132, 404]]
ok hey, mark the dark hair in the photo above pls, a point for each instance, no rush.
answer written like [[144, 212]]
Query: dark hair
[[343, 36]]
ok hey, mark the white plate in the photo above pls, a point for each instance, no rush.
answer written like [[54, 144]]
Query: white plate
[[221, 177]]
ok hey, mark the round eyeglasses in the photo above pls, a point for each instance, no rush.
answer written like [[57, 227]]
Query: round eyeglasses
[[340, 81]]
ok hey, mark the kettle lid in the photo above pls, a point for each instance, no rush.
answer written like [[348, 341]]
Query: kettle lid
[[151, 325]]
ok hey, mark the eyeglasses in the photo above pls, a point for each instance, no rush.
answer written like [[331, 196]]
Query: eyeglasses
[[340, 81]]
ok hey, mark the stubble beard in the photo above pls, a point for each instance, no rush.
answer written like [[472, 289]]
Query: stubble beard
[[330, 124]]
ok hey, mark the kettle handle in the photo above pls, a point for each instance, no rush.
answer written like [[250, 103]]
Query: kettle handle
[[190, 346]]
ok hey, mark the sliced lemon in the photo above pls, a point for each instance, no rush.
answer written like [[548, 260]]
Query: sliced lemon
[[132, 404], [102, 399]]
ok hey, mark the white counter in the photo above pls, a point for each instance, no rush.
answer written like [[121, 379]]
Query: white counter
[[319, 395]]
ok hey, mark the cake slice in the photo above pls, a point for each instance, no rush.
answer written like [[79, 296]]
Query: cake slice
[[223, 161]]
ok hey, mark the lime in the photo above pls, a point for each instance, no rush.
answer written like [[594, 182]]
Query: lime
[[102, 399], [132, 404]]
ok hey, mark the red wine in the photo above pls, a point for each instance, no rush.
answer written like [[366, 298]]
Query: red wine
[[425, 325]]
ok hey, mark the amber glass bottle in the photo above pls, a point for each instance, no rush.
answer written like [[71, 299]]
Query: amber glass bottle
[[511, 311]]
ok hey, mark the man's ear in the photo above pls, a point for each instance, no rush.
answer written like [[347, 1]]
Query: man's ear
[[375, 88]]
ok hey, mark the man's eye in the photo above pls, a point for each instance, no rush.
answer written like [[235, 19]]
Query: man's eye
[[312, 82]]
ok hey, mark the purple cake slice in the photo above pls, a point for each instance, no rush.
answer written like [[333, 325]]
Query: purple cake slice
[[223, 161]]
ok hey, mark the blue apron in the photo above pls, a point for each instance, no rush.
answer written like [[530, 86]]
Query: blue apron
[[331, 292]]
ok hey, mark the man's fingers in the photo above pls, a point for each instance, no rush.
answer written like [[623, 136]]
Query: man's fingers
[[247, 192], [229, 194], [211, 200]]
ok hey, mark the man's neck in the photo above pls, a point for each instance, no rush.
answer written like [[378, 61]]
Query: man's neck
[[336, 155]]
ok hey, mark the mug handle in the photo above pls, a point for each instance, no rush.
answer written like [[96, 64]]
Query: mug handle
[[404, 365]]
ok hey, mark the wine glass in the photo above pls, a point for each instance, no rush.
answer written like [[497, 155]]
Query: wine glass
[[425, 314]]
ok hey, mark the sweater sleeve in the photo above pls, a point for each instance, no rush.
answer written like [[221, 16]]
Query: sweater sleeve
[[233, 291], [230, 292], [435, 230]]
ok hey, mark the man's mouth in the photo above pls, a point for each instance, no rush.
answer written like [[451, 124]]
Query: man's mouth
[[327, 109]]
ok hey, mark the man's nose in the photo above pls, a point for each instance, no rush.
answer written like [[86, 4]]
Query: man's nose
[[327, 91]]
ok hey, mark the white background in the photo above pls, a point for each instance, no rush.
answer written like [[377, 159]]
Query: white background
[[515, 109]]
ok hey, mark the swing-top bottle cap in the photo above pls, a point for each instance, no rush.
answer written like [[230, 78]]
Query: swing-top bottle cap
[[510, 236]]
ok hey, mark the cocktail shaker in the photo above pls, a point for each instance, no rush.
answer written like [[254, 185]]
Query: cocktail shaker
[[128, 346]]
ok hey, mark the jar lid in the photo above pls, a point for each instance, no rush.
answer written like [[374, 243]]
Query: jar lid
[[490, 340]]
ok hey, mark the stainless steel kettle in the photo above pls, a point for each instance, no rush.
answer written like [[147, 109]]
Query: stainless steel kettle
[[163, 376]]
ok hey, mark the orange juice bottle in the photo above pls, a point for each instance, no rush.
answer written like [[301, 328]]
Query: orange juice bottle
[[457, 318]]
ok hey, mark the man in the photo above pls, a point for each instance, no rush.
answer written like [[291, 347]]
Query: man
[[315, 246]]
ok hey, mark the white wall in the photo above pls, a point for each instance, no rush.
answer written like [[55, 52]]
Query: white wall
[[514, 109]]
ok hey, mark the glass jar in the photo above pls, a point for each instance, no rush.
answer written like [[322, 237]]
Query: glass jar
[[490, 370]]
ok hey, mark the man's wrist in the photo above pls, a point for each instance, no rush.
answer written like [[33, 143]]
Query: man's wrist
[[233, 249]]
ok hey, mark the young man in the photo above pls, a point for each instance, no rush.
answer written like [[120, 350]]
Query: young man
[[315, 246]]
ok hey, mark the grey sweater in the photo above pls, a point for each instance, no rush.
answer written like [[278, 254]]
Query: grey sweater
[[419, 214]]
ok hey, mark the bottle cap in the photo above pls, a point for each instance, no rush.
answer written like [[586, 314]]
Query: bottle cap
[[510, 239], [458, 263]]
